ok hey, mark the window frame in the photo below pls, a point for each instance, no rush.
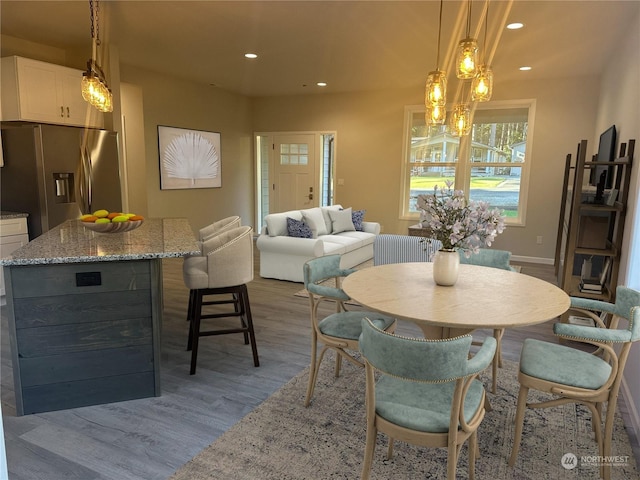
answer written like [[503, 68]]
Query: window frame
[[464, 165]]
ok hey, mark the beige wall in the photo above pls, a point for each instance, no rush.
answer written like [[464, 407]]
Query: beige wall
[[369, 148], [177, 103]]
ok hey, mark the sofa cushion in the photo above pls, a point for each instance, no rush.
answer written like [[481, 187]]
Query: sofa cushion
[[357, 216], [349, 243], [314, 218], [298, 228], [341, 221], [327, 218], [277, 222], [364, 238]]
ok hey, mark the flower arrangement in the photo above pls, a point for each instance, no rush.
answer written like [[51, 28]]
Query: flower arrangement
[[457, 223]]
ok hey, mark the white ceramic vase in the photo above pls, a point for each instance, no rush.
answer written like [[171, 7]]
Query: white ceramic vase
[[446, 264]]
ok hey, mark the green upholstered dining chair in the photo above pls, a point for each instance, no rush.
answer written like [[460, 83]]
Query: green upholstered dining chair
[[491, 257], [427, 393], [577, 376], [339, 331]]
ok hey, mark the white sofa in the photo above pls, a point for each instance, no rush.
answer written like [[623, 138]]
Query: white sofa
[[282, 256]]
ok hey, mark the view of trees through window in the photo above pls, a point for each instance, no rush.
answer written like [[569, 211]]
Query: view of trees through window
[[489, 163]]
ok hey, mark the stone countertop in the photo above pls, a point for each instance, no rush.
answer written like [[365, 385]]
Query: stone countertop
[[8, 215], [71, 242]]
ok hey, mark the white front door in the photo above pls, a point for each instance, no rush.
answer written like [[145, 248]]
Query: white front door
[[294, 173]]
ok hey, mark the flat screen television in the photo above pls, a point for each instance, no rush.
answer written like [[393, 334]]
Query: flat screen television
[[606, 153]]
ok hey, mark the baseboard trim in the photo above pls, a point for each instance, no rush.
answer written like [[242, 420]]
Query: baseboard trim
[[632, 416], [540, 260]]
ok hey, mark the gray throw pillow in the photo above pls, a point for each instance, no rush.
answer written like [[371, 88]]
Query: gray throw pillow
[[341, 221]]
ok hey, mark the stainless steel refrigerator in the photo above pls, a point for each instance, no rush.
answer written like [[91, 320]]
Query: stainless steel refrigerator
[[55, 173]]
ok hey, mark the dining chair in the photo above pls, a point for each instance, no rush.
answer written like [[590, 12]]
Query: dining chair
[[427, 393], [338, 331], [494, 258], [577, 376], [224, 268]]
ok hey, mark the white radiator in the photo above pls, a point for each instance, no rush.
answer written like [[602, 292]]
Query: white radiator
[[389, 248]]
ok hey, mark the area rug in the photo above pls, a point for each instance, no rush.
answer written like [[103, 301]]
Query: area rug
[[283, 440]]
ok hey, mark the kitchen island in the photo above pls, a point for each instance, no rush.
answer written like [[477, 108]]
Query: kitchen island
[[85, 313]]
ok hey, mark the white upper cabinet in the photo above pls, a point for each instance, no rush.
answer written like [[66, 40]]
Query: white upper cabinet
[[37, 91]]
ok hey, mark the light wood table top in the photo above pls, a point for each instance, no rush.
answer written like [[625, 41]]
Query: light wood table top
[[483, 297]]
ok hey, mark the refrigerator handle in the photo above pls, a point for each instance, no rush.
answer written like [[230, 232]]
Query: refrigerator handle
[[85, 180]]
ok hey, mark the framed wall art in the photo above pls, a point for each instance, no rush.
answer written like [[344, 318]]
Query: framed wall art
[[189, 158]]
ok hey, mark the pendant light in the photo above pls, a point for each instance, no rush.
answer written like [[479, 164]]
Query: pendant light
[[435, 97], [435, 114], [460, 122], [482, 85], [94, 85], [467, 58]]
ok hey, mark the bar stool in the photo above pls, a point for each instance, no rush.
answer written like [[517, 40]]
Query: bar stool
[[224, 268]]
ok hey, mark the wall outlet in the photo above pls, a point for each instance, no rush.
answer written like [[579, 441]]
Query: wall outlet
[[539, 240]]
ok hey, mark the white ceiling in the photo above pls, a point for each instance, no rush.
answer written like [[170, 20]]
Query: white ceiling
[[351, 45]]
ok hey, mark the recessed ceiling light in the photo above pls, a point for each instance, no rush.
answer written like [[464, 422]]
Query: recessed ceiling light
[[321, 84], [515, 25], [251, 55], [525, 69]]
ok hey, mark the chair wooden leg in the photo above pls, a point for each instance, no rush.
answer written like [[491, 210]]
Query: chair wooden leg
[[312, 368], [608, 433], [195, 330], [248, 319], [369, 448], [473, 449], [517, 437], [452, 458], [338, 365]]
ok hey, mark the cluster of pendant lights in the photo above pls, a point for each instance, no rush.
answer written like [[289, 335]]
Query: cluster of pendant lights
[[467, 68], [94, 85]]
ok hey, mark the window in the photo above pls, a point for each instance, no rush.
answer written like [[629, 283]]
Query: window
[[491, 164]]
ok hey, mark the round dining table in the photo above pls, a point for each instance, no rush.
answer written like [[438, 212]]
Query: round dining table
[[482, 297]]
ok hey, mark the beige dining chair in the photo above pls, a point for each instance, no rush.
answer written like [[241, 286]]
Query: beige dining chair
[[427, 393], [339, 331], [224, 269], [577, 376]]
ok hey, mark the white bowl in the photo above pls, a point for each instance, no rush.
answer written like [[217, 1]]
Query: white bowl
[[116, 227]]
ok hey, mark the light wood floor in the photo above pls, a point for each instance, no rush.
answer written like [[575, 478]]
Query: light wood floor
[[150, 438]]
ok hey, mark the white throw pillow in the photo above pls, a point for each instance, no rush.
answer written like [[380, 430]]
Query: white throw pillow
[[314, 218], [341, 220], [327, 218], [277, 222]]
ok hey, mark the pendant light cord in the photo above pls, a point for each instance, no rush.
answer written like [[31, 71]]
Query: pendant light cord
[[486, 23], [439, 34], [469, 20]]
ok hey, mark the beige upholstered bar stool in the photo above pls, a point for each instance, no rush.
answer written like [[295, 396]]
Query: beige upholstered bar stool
[[218, 226], [207, 232], [224, 269]]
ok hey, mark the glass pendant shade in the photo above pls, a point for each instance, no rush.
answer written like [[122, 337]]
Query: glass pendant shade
[[467, 59], [96, 92], [436, 89], [435, 115], [482, 85], [460, 123]]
